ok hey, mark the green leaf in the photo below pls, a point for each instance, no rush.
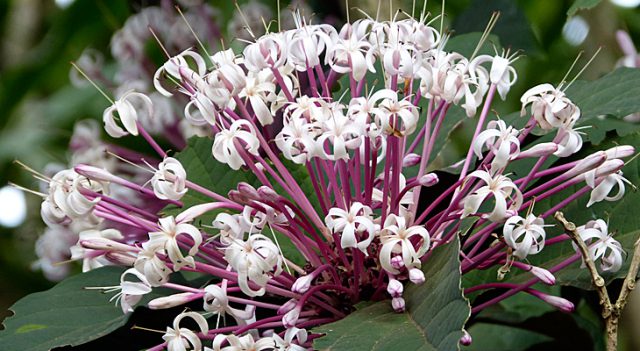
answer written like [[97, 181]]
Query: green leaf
[[67, 314], [512, 28], [582, 5], [436, 314], [496, 337], [615, 95]]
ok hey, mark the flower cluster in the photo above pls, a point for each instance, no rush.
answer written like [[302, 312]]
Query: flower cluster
[[357, 219]]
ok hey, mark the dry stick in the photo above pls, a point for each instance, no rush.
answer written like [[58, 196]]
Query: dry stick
[[610, 313]]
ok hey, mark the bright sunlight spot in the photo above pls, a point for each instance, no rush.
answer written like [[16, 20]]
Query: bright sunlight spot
[[575, 30], [626, 3], [13, 208]]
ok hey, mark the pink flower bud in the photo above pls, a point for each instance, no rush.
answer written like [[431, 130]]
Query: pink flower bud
[[302, 284], [560, 303], [171, 300], [120, 258], [287, 306], [397, 262], [588, 163], [609, 167], [544, 275], [394, 288], [398, 304], [105, 244], [416, 276], [539, 150], [430, 179], [268, 193], [466, 339], [621, 151], [411, 160], [95, 173], [290, 319], [248, 190]]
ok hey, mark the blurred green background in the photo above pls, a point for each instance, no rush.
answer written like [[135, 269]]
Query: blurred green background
[[38, 106]]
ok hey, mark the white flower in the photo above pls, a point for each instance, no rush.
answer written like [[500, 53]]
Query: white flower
[[231, 227], [131, 292], [342, 134], [254, 260], [549, 107], [225, 148], [228, 71], [296, 140], [173, 67], [501, 188], [351, 225], [524, 235], [502, 140], [148, 263], [242, 343], [604, 186], [182, 339], [268, 51], [351, 53], [293, 338], [216, 301], [501, 74], [167, 239], [306, 44], [65, 197], [126, 107], [397, 238], [569, 141], [259, 90], [393, 111], [601, 245], [169, 180]]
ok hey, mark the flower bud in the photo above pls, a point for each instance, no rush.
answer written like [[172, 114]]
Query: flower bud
[[120, 258], [248, 190], [302, 284], [466, 339], [290, 319], [171, 300], [544, 275], [394, 288], [95, 173], [430, 179], [397, 262], [560, 303], [587, 164], [416, 276], [268, 193], [287, 306], [621, 151], [105, 245], [609, 167], [398, 304], [411, 160], [539, 150]]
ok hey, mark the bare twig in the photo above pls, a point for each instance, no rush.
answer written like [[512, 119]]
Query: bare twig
[[610, 313]]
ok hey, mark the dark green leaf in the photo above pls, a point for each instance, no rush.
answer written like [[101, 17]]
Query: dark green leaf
[[67, 314], [436, 314], [496, 337], [582, 5]]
